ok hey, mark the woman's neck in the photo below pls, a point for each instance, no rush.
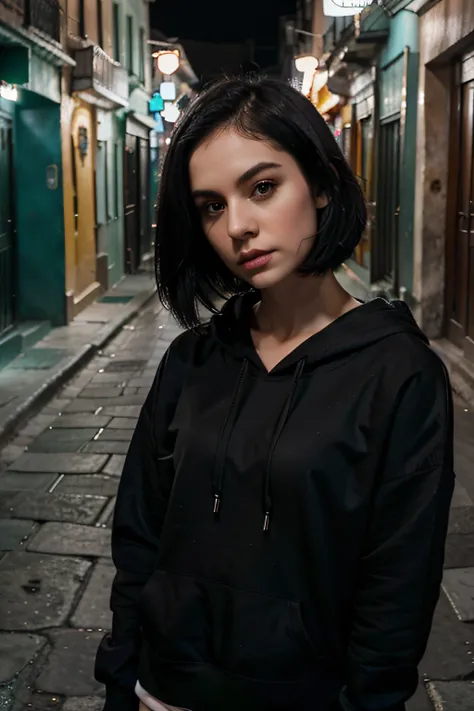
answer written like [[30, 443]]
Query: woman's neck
[[302, 305]]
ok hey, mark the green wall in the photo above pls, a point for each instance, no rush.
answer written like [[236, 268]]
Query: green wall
[[403, 35], [39, 211], [45, 78]]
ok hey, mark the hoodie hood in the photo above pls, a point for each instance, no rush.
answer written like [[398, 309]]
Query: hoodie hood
[[373, 321], [357, 329]]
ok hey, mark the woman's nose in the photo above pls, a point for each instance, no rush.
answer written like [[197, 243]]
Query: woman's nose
[[240, 223]]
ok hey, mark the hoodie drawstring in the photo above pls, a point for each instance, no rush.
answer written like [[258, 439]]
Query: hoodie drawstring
[[219, 468], [285, 413]]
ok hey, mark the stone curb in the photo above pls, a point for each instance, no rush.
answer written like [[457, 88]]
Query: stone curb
[[41, 395]]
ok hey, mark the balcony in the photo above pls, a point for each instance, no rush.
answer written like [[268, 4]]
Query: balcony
[[43, 16], [99, 80]]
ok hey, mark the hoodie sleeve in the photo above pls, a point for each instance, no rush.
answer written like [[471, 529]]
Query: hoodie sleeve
[[140, 510], [401, 567]]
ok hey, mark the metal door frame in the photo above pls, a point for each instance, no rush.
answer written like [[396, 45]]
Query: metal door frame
[[386, 247]]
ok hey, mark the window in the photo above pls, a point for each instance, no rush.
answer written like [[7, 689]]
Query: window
[[141, 51], [82, 19], [100, 24], [129, 47], [116, 21]]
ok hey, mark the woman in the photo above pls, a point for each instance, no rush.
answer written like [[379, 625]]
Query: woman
[[281, 517]]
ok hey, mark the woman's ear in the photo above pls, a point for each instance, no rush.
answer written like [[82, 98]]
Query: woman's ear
[[322, 200]]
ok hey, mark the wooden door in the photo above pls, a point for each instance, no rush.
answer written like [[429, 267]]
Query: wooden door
[[460, 306], [364, 145], [7, 261], [131, 206], [144, 191]]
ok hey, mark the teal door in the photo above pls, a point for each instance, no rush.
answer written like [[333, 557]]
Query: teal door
[[114, 188], [7, 261], [108, 213]]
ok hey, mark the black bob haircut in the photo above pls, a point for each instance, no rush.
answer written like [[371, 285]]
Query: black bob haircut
[[188, 271]]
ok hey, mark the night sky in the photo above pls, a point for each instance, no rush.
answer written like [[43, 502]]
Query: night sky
[[221, 21]]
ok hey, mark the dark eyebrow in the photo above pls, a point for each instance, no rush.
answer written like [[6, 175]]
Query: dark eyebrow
[[244, 178], [255, 170]]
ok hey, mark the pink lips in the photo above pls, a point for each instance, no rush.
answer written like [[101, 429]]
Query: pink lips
[[260, 260]]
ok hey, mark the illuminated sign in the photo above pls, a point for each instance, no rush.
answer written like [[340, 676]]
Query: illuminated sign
[[168, 90], [156, 103], [344, 8]]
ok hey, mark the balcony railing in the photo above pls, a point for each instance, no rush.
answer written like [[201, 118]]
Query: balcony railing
[[42, 15], [103, 79]]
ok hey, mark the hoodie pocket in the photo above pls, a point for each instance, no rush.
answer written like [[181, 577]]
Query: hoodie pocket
[[189, 620]]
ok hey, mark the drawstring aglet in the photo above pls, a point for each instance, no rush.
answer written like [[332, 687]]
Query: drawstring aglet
[[217, 503], [266, 523]]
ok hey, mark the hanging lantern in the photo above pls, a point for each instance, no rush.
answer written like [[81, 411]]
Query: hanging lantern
[[167, 61]]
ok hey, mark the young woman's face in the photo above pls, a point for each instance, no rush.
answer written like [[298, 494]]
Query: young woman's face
[[256, 207]]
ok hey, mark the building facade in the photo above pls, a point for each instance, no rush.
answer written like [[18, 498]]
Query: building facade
[[32, 246], [92, 91], [397, 90], [75, 81], [444, 216], [131, 33], [370, 100]]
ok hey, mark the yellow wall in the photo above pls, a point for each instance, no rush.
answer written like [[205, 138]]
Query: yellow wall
[[80, 244], [67, 108], [78, 173]]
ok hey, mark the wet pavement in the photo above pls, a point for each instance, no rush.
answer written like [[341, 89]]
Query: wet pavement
[[33, 377], [58, 480]]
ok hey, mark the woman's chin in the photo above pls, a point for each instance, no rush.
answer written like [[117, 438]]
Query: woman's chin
[[265, 279]]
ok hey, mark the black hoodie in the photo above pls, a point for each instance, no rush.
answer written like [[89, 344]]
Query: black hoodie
[[279, 536]]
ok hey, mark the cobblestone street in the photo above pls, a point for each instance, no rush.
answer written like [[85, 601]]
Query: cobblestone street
[[58, 479], [57, 488]]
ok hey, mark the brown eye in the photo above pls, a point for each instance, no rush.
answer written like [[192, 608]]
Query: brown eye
[[213, 208], [264, 188]]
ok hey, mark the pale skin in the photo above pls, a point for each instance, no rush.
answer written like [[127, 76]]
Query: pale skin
[[253, 196]]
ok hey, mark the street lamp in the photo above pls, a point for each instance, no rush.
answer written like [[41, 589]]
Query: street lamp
[[306, 63], [167, 61]]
